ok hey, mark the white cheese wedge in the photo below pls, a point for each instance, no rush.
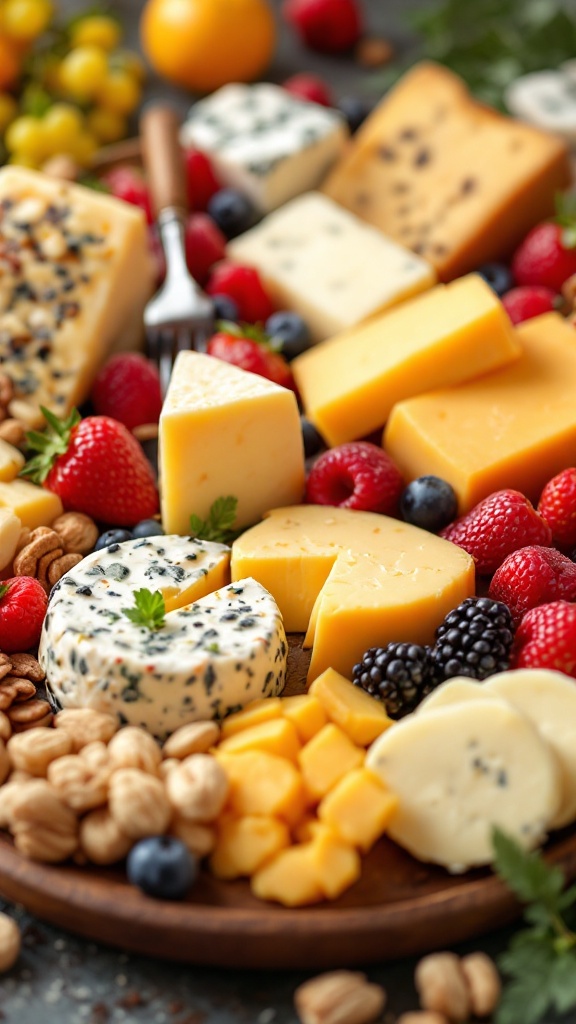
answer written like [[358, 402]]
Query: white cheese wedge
[[546, 99], [326, 264], [265, 142], [216, 651], [459, 771]]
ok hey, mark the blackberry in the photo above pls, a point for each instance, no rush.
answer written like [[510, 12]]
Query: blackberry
[[400, 675], [474, 640]]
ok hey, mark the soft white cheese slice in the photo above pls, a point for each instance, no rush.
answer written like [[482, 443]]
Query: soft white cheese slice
[[453, 691], [546, 99]]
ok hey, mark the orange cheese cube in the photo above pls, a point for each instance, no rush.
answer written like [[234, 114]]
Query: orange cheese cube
[[277, 736], [326, 759], [306, 714], [291, 878], [514, 428], [263, 784], [337, 862], [243, 845], [358, 808], [253, 714], [360, 716]]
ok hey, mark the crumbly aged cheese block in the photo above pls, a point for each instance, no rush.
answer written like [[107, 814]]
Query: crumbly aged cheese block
[[546, 99], [451, 334], [323, 262], [34, 506], [75, 272], [457, 772], [447, 176], [313, 560], [514, 428], [224, 431], [265, 142], [211, 656]]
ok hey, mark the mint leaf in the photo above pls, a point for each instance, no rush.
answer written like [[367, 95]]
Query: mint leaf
[[218, 527], [526, 873], [149, 609]]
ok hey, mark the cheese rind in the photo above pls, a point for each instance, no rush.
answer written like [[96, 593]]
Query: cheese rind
[[450, 334], [323, 262]]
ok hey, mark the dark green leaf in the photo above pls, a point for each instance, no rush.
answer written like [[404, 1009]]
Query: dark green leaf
[[219, 526], [526, 873], [50, 444], [149, 609]]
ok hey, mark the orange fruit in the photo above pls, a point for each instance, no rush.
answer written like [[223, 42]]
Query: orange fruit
[[9, 62], [203, 44]]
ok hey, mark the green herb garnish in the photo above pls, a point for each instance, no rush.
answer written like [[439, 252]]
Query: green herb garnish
[[220, 522], [149, 609], [54, 441], [566, 218]]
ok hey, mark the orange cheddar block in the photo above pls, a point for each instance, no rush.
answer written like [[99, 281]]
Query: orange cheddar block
[[450, 178], [448, 335], [358, 714], [306, 714], [264, 784], [291, 878], [326, 759], [358, 808], [277, 736], [515, 428], [243, 845], [253, 714]]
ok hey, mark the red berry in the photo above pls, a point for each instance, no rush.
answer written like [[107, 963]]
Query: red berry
[[557, 506], [528, 301], [23, 604], [242, 284], [128, 389], [543, 259], [533, 576], [546, 638], [128, 184], [497, 526], [358, 475], [330, 26], [202, 182], [309, 87], [253, 356], [205, 245]]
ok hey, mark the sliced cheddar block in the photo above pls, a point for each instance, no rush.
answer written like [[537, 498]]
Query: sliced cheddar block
[[224, 431], [326, 758], [255, 713], [514, 428], [34, 506], [449, 335], [278, 737], [243, 845], [447, 176], [306, 714], [358, 714], [11, 461], [358, 808], [263, 784]]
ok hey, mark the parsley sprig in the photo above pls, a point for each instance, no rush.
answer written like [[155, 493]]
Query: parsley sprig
[[149, 609], [219, 525], [540, 963]]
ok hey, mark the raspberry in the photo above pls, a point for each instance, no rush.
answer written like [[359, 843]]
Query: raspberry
[[533, 576], [309, 87], [23, 604], [546, 638], [557, 506], [202, 182], [543, 258], [205, 245], [330, 26], [128, 389], [528, 301], [243, 285], [251, 355], [497, 526], [357, 475], [128, 184]]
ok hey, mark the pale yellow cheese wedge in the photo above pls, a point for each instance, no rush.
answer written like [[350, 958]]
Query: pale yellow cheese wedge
[[11, 461], [34, 506], [10, 529]]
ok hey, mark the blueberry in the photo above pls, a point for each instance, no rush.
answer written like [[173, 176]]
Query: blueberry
[[225, 308], [355, 111], [148, 528], [112, 537], [232, 211], [428, 502], [313, 441], [162, 867], [498, 276], [291, 330]]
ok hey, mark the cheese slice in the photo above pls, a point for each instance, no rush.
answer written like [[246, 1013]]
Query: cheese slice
[[447, 176], [314, 561], [454, 691], [323, 262], [513, 428], [450, 334], [34, 506], [224, 431], [459, 771], [75, 272]]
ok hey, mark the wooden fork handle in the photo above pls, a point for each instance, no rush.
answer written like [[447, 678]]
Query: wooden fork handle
[[163, 159]]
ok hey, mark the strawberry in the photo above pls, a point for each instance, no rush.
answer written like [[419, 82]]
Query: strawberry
[[128, 389], [250, 349], [497, 526], [309, 87], [243, 285], [205, 245], [528, 301], [533, 576], [96, 466], [23, 604], [357, 475], [330, 26], [557, 506], [546, 638], [547, 256], [201, 179], [128, 184]]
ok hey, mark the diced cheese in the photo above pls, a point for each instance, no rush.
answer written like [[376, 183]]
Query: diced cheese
[[359, 808], [514, 428], [210, 657], [245, 844], [10, 530], [75, 270], [459, 771], [265, 142], [326, 758], [224, 431], [323, 262], [11, 461], [450, 334], [291, 878], [447, 176], [255, 713], [358, 714], [546, 99], [34, 506], [278, 737], [264, 784], [306, 714]]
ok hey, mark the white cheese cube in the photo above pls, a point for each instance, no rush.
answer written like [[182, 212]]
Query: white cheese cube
[[546, 99], [265, 142], [323, 262]]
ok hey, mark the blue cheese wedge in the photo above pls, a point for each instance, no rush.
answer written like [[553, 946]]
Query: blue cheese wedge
[[265, 142], [215, 652], [546, 99]]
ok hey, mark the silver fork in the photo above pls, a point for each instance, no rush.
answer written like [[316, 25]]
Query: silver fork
[[180, 316]]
